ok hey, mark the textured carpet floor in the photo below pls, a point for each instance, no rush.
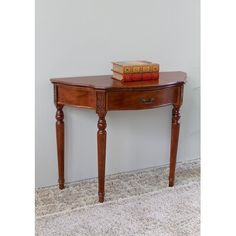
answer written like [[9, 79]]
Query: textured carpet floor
[[136, 203]]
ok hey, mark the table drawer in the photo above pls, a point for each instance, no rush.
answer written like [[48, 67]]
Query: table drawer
[[130, 100], [73, 96]]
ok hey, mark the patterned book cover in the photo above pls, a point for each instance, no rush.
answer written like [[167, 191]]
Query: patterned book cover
[[127, 67], [136, 76]]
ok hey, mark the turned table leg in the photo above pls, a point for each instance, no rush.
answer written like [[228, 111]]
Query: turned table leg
[[101, 142], [174, 143], [60, 144]]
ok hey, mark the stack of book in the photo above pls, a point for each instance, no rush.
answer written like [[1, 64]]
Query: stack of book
[[135, 70]]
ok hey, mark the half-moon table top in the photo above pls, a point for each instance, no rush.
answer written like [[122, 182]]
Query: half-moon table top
[[106, 82]]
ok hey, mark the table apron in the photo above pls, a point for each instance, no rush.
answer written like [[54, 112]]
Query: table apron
[[76, 96], [118, 100]]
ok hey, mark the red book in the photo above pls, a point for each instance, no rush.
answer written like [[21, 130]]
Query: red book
[[136, 76]]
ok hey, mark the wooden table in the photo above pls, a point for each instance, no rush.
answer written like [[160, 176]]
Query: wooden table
[[102, 93]]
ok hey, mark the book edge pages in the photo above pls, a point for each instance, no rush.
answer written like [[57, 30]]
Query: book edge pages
[[122, 63], [130, 66], [116, 76], [114, 71]]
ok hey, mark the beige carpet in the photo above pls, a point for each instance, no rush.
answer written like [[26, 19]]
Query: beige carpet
[[137, 203]]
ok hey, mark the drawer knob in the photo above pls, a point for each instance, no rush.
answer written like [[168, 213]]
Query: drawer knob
[[147, 100]]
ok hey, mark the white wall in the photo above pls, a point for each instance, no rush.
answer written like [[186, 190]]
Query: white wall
[[75, 38]]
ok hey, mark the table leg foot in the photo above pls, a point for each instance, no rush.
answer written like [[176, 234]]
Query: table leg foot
[[61, 185], [101, 197], [171, 182]]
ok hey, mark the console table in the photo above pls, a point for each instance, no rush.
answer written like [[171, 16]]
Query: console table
[[102, 94]]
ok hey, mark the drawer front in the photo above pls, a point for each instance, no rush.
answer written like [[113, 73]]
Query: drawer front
[[130, 100], [73, 96]]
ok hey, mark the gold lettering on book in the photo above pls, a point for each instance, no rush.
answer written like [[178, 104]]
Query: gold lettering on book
[[146, 68]]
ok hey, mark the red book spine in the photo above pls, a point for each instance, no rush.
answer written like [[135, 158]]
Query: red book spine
[[141, 76]]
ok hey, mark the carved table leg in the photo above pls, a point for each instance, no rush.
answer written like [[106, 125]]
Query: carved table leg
[[174, 143], [101, 143], [60, 144]]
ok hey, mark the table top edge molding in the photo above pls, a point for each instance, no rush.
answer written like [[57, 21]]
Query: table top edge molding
[[106, 83]]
